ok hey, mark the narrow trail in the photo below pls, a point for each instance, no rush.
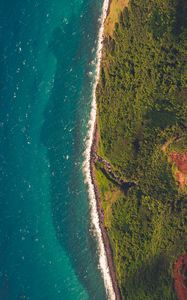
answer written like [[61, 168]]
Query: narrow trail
[[108, 170], [106, 165]]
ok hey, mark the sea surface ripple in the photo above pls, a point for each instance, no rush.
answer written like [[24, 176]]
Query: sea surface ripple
[[48, 65]]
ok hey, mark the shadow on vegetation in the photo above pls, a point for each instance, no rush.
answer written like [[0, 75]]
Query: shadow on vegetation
[[150, 281], [181, 19]]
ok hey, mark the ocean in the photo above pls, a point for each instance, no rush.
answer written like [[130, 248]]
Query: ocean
[[48, 63]]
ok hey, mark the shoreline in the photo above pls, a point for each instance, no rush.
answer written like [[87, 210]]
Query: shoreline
[[104, 232], [106, 263]]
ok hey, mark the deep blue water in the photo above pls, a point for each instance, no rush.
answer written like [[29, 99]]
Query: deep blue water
[[46, 249]]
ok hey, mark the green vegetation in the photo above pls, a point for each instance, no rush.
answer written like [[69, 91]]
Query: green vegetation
[[142, 106], [178, 146], [109, 193]]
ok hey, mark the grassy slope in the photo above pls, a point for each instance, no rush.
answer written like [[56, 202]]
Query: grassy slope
[[116, 7], [142, 105]]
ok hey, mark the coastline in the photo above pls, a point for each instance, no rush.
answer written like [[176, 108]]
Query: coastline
[[145, 213], [106, 263], [105, 236], [104, 252]]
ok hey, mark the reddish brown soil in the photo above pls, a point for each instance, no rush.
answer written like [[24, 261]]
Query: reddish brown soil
[[180, 277], [180, 160]]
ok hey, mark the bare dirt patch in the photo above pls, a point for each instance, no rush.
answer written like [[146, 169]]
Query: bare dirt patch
[[180, 162], [180, 277], [116, 6]]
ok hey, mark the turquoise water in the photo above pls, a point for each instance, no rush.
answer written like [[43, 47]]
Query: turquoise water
[[46, 249]]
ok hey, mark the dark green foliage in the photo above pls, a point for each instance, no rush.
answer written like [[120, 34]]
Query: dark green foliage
[[142, 103], [147, 236]]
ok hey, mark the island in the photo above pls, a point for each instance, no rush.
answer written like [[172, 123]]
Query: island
[[139, 150]]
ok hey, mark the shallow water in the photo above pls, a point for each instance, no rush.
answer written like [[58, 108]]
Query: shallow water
[[47, 52]]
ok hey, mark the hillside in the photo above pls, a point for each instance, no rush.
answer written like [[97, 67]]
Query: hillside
[[142, 128]]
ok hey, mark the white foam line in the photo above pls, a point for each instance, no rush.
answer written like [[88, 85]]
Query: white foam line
[[103, 264]]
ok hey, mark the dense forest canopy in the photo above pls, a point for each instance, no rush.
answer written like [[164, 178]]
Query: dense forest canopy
[[142, 120]]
